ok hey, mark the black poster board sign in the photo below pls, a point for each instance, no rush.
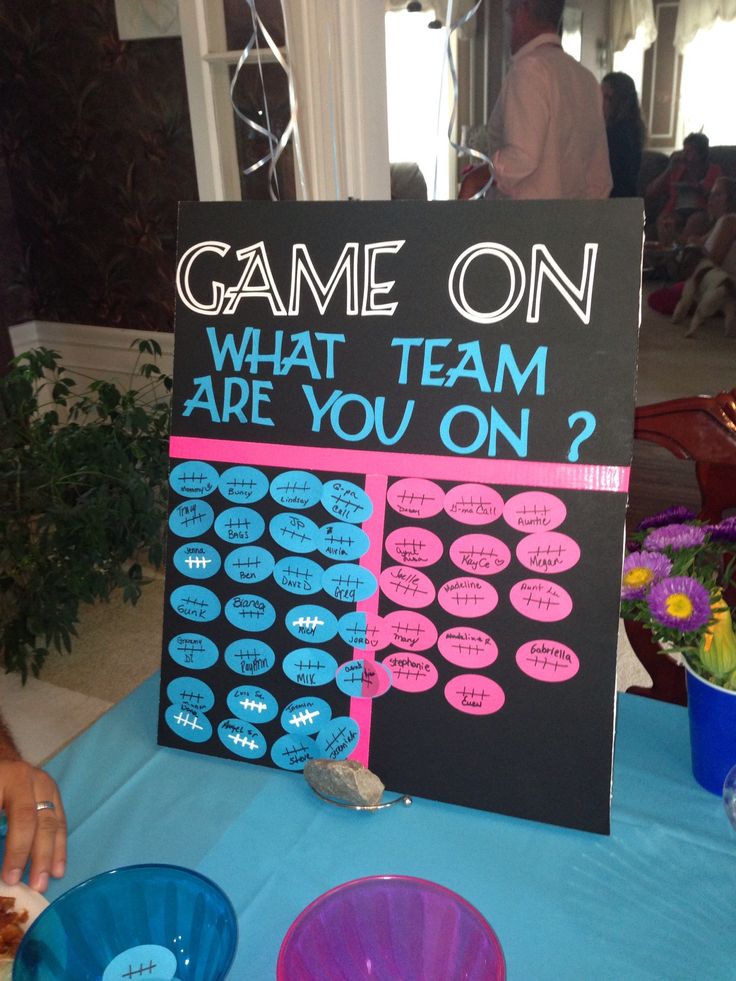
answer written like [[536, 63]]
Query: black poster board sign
[[399, 460]]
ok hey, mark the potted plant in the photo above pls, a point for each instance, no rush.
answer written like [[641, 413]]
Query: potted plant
[[677, 578], [82, 496]]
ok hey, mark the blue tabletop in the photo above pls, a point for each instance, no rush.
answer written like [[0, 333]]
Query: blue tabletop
[[653, 900]]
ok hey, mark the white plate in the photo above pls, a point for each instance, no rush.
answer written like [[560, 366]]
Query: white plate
[[25, 899]]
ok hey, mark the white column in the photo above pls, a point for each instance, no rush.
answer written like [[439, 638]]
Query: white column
[[210, 110]]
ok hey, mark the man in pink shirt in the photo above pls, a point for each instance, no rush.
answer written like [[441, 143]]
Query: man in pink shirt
[[546, 132]]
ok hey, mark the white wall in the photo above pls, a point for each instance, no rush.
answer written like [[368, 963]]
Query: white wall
[[90, 352], [595, 27]]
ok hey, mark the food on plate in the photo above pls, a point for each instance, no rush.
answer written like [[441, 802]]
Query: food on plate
[[19, 907], [12, 928]]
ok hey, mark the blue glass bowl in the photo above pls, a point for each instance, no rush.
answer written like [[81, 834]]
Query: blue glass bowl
[[150, 922]]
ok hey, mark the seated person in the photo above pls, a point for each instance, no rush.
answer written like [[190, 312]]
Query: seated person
[[36, 826], [688, 180], [711, 289], [721, 201]]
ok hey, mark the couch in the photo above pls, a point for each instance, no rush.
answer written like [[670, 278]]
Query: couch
[[653, 162]]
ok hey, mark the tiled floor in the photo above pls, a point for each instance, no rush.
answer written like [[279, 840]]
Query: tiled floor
[[119, 646], [44, 717], [671, 365]]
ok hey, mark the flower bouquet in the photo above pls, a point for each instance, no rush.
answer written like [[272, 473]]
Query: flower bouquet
[[676, 578]]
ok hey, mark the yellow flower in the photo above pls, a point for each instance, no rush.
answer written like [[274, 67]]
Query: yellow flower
[[718, 648], [639, 576], [679, 605]]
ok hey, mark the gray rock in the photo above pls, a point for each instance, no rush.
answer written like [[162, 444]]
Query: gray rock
[[345, 780]]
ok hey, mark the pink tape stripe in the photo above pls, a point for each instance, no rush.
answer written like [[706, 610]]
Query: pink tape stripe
[[563, 476], [361, 708]]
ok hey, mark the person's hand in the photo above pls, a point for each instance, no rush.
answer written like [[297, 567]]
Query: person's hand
[[34, 833]]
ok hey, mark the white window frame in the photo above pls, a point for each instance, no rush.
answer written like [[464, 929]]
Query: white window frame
[[337, 56]]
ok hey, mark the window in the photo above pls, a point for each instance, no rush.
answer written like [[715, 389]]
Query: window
[[631, 61], [708, 83], [419, 99]]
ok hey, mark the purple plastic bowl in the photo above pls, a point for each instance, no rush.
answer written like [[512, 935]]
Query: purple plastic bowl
[[386, 927]]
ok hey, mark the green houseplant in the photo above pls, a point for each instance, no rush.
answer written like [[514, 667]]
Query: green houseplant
[[82, 496]]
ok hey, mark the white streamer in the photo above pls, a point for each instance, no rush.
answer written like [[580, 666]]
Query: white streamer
[[276, 146]]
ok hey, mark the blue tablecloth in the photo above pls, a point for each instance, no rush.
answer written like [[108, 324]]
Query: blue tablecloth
[[654, 900]]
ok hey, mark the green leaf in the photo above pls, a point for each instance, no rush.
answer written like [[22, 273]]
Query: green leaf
[[78, 499]]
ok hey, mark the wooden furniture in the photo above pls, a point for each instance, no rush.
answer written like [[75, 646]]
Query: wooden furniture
[[700, 428]]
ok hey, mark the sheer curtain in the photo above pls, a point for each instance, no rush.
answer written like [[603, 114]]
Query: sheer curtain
[[633, 20], [698, 15], [633, 30], [337, 58]]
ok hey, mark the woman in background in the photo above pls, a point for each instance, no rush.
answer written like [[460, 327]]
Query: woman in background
[[625, 131], [721, 205], [687, 181], [711, 288]]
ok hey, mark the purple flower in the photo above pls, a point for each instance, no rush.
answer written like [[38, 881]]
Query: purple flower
[[669, 517], [724, 531], [680, 602], [641, 570], [675, 537]]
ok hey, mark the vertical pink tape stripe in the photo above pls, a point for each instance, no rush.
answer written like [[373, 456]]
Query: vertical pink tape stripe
[[564, 476], [361, 708]]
